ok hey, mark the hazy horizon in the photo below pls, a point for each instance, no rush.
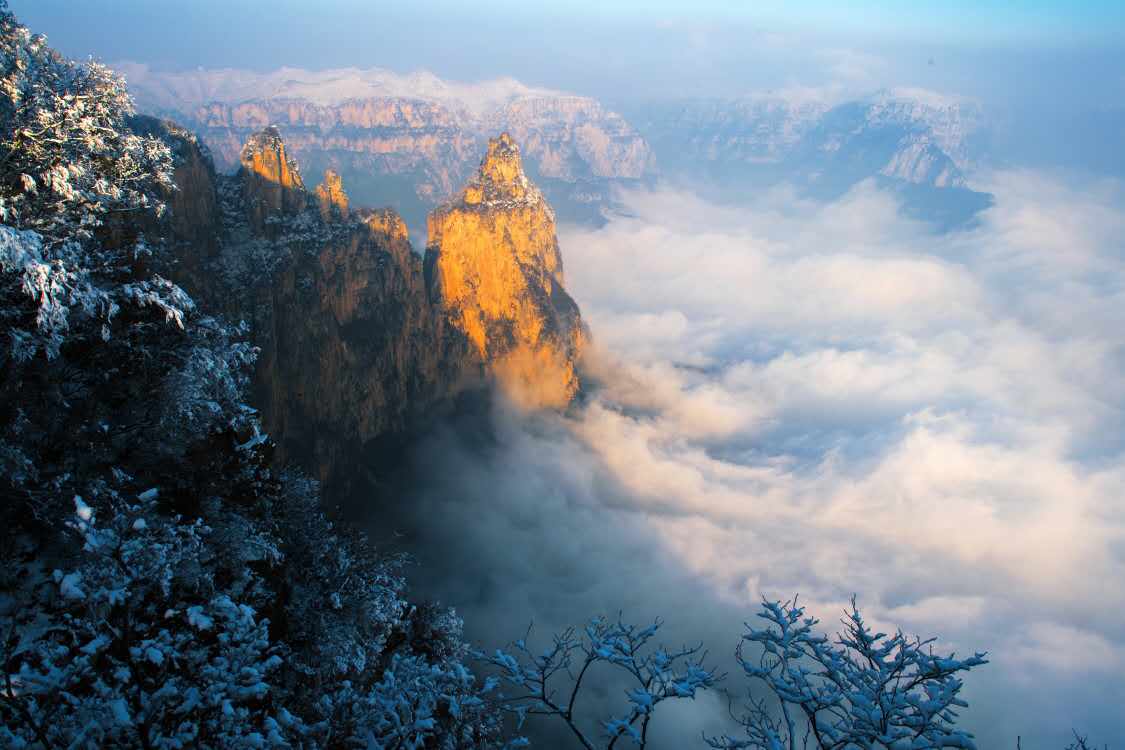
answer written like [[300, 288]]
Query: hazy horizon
[[612, 51], [1040, 71]]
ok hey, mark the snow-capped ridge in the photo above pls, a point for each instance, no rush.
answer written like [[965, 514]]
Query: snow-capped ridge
[[194, 88]]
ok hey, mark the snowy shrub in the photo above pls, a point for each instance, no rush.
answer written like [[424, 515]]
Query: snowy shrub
[[1082, 742], [160, 584], [68, 162], [865, 690], [345, 601], [549, 683], [134, 645]]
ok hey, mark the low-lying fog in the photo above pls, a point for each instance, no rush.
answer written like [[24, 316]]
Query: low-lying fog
[[824, 399]]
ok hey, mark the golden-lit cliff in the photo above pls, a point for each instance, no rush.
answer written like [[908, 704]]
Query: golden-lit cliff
[[360, 341], [493, 265]]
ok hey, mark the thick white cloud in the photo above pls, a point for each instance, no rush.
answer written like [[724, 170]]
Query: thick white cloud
[[839, 400], [827, 399]]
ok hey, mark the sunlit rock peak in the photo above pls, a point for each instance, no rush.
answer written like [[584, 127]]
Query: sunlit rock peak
[[493, 265], [331, 198], [271, 181], [385, 221], [501, 179]]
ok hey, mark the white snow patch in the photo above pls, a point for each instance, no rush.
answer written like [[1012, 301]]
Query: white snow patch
[[82, 510]]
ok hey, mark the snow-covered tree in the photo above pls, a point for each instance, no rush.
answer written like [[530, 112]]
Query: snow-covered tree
[[160, 584], [550, 683], [864, 690], [69, 167], [374, 669]]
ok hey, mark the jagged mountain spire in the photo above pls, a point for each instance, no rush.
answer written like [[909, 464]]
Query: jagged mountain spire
[[331, 197], [493, 264], [271, 180], [500, 177]]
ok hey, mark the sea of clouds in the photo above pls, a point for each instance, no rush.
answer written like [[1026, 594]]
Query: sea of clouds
[[824, 399]]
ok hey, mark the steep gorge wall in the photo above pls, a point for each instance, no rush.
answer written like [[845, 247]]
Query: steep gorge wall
[[356, 349], [573, 138]]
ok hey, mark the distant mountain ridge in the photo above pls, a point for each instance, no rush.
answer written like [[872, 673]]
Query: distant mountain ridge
[[409, 140], [406, 140], [766, 129], [921, 144], [179, 90]]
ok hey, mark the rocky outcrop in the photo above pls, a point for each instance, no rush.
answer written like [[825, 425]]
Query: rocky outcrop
[[331, 198], [493, 267], [919, 161], [192, 223], [353, 356], [193, 212], [385, 221]]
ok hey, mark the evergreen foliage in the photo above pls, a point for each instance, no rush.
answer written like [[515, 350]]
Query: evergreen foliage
[[160, 585]]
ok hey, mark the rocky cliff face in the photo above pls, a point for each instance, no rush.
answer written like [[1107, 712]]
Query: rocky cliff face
[[913, 136], [357, 350], [494, 268], [688, 134], [915, 143], [573, 137], [193, 222], [353, 354]]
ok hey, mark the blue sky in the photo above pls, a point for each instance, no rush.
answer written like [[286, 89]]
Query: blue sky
[[1038, 66], [489, 37]]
